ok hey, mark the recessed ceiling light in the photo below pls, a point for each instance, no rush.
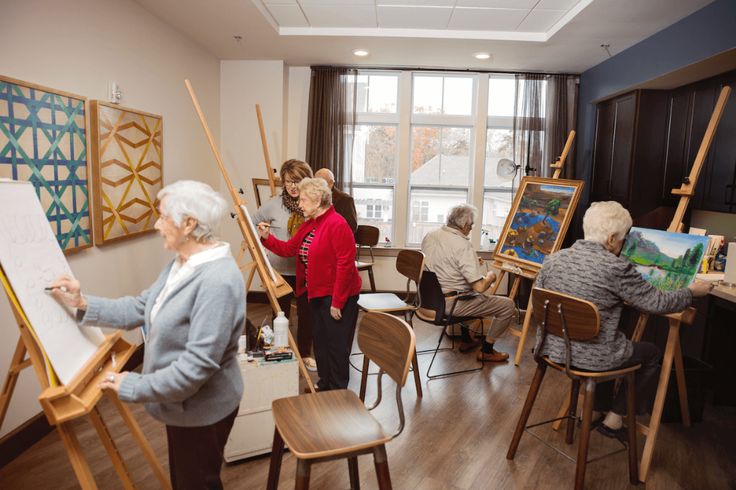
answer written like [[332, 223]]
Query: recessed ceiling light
[[482, 56], [360, 52]]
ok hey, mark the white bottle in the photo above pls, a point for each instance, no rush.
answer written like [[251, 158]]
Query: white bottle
[[280, 330]]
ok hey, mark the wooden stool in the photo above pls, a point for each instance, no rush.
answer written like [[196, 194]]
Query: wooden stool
[[579, 320]]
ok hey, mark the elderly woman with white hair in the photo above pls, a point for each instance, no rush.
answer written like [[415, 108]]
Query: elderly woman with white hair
[[325, 251], [592, 270], [191, 318]]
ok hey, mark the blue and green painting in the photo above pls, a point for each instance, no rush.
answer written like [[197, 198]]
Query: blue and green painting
[[537, 221], [669, 261]]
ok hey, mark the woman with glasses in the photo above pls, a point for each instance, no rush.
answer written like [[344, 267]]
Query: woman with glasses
[[283, 215]]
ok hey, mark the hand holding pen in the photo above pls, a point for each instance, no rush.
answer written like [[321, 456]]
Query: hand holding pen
[[264, 229], [68, 291]]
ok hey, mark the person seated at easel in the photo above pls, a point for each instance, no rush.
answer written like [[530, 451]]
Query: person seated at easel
[[192, 317], [283, 215], [326, 273], [592, 270], [342, 201], [450, 255]]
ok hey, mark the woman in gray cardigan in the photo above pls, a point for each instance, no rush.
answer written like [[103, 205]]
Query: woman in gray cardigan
[[191, 318], [592, 270]]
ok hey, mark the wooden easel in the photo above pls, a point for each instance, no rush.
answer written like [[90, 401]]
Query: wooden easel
[[531, 274], [64, 403], [270, 171], [673, 350], [274, 289]]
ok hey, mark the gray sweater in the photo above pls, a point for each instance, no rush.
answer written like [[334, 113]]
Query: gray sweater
[[588, 271], [274, 212], [191, 376]]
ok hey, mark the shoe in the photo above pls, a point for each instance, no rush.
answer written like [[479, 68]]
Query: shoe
[[468, 346], [494, 356], [619, 434], [310, 364]]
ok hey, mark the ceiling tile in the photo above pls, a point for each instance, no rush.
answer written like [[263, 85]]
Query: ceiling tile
[[279, 2], [476, 19], [557, 4], [321, 15], [498, 4], [540, 20], [423, 3], [288, 15], [414, 17], [337, 3]]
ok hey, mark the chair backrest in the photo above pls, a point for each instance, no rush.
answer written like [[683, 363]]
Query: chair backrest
[[388, 341], [432, 299], [410, 264], [367, 236], [579, 317]]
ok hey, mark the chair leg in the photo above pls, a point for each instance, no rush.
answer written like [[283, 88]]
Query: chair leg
[[303, 469], [371, 279], [381, 463], [528, 404], [414, 360], [572, 411], [364, 378], [277, 453], [582, 460], [631, 422], [354, 473]]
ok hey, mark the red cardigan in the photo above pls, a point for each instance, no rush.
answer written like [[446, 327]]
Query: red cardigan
[[331, 258]]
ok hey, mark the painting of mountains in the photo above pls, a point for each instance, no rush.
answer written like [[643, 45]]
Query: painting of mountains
[[669, 261]]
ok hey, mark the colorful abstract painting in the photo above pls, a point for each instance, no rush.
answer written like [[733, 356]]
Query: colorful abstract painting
[[669, 261], [43, 140], [127, 158], [538, 221]]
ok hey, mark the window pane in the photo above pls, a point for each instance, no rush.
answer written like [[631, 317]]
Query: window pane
[[501, 93], [361, 92], [427, 95], [496, 206], [375, 208], [374, 154], [382, 93], [440, 156], [428, 211], [458, 96], [499, 144]]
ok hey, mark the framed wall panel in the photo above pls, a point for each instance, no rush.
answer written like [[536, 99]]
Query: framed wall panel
[[127, 161], [43, 140]]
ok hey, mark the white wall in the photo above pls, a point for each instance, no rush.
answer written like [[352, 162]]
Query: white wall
[[78, 46]]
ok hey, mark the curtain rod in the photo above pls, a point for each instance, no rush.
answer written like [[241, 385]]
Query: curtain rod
[[449, 70]]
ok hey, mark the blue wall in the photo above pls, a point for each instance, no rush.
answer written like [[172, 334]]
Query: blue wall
[[705, 33]]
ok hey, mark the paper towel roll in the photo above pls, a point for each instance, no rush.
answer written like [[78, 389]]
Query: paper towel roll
[[730, 272]]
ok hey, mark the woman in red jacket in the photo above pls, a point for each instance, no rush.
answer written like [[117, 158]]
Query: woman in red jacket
[[325, 250]]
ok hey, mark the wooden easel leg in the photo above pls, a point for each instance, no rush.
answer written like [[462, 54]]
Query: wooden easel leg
[[496, 284], [302, 367], [515, 287], [561, 413], [76, 457], [664, 380], [135, 430], [524, 332], [641, 324], [16, 365], [681, 384], [117, 461]]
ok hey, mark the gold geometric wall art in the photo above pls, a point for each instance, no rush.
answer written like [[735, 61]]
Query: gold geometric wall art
[[127, 161]]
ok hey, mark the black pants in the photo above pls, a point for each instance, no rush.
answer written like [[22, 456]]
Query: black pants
[[303, 317], [333, 340], [646, 354], [195, 454]]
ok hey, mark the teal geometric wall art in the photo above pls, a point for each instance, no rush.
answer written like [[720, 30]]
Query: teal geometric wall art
[[43, 139]]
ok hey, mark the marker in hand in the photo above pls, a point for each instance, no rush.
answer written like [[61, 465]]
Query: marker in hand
[[49, 289]]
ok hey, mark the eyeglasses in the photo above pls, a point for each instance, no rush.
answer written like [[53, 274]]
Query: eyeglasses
[[291, 183]]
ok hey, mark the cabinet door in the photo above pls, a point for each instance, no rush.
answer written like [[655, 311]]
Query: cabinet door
[[721, 169], [623, 146], [678, 127], [602, 152]]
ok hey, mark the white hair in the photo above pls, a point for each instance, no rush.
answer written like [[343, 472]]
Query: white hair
[[317, 190], [461, 216], [606, 218], [189, 198]]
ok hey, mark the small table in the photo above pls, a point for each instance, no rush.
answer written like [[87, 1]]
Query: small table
[[265, 381]]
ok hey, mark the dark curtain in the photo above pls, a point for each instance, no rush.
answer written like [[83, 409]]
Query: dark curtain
[[528, 135], [561, 118], [331, 120]]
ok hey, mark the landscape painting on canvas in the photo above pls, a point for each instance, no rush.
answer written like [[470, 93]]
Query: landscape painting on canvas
[[669, 261]]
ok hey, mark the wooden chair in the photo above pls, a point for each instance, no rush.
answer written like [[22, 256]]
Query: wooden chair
[[366, 237], [432, 309], [335, 424], [575, 319], [410, 264]]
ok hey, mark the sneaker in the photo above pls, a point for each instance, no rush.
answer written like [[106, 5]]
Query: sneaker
[[494, 356], [310, 364], [620, 434], [468, 346]]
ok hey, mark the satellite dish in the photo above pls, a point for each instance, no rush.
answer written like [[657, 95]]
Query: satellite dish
[[506, 169]]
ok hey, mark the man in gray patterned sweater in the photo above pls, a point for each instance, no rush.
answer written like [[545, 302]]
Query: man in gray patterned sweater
[[592, 270]]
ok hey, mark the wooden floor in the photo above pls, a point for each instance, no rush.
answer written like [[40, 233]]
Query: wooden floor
[[456, 437]]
